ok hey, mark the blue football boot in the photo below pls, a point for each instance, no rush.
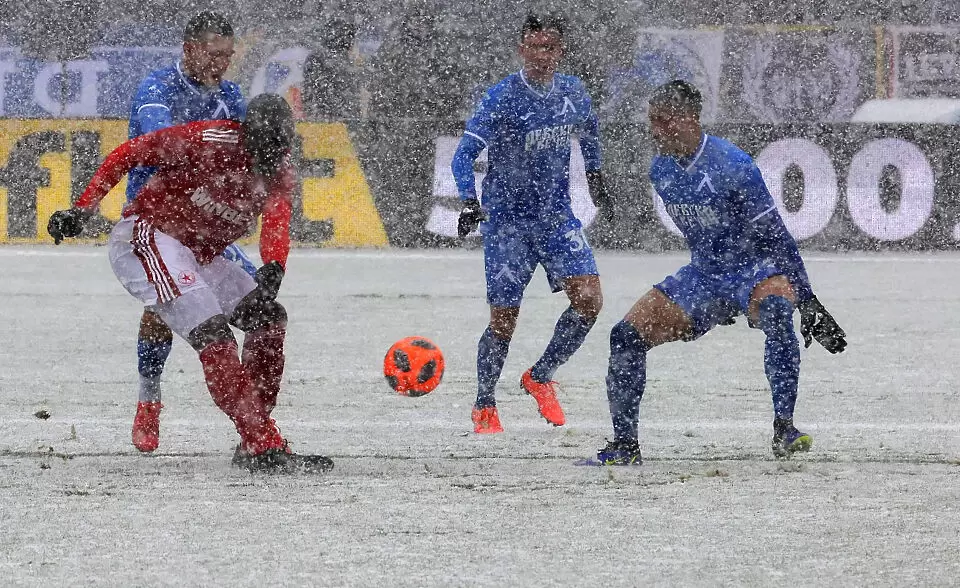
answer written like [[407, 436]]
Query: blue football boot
[[620, 453], [787, 439]]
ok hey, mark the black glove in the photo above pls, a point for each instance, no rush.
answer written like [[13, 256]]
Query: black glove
[[817, 323], [599, 194], [66, 223], [470, 217], [268, 280]]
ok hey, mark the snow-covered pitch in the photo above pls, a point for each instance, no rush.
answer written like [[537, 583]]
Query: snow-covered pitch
[[417, 499]]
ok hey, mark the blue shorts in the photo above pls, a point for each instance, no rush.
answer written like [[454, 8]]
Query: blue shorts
[[512, 253], [710, 299], [236, 255]]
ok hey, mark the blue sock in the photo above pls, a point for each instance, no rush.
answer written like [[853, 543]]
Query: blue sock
[[568, 336], [491, 354], [781, 357], [626, 378], [151, 355]]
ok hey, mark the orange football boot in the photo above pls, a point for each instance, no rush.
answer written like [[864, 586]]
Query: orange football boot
[[486, 420], [546, 396]]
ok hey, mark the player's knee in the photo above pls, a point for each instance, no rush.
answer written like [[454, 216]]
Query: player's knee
[[254, 313], [502, 330], [213, 330], [503, 321], [775, 315], [623, 336], [153, 329], [588, 306]]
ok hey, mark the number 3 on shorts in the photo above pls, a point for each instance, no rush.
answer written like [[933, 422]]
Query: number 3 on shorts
[[578, 242]]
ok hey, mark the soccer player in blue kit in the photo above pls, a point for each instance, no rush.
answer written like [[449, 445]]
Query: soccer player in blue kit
[[743, 260], [191, 90], [526, 122]]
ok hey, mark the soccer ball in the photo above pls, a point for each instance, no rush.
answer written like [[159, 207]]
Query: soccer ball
[[413, 366]]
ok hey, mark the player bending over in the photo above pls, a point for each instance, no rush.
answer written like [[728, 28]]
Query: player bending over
[[213, 179], [743, 260], [191, 90], [526, 123]]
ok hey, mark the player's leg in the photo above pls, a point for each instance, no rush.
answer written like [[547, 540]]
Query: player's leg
[[264, 337], [508, 269], [682, 307], [154, 342], [264, 324], [770, 308], [262, 361], [492, 352], [164, 275], [570, 265], [653, 320], [586, 300]]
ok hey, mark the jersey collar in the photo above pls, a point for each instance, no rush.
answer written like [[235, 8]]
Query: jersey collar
[[553, 83], [687, 166], [187, 81]]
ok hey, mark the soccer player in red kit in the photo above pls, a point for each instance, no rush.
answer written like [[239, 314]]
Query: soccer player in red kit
[[213, 180]]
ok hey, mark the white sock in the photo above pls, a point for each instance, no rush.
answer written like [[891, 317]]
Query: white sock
[[150, 389]]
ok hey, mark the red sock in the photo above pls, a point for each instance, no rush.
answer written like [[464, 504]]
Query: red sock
[[233, 393], [263, 359]]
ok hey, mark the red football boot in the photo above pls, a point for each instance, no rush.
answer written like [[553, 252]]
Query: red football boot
[[146, 426]]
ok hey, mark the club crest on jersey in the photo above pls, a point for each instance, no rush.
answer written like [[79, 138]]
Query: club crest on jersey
[[549, 138], [201, 197], [186, 278], [567, 106], [705, 182]]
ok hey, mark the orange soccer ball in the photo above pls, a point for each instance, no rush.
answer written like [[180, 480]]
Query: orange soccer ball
[[413, 366]]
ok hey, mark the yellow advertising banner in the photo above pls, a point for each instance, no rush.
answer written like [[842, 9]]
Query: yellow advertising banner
[[46, 164]]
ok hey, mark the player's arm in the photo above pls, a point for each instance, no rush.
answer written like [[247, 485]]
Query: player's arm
[[168, 146], [277, 212], [162, 147], [772, 238], [770, 235], [151, 105], [479, 130], [592, 158], [274, 239]]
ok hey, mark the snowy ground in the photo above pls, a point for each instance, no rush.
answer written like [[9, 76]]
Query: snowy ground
[[418, 500]]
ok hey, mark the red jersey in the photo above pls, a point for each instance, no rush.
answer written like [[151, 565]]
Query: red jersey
[[203, 192]]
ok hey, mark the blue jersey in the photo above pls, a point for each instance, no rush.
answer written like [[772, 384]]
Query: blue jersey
[[167, 97], [720, 203], [527, 133]]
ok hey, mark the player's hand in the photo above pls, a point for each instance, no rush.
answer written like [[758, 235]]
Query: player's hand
[[66, 223], [817, 323], [599, 194], [268, 279], [470, 217]]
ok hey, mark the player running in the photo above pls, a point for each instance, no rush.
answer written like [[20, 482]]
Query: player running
[[213, 179], [526, 123], [743, 261], [191, 90]]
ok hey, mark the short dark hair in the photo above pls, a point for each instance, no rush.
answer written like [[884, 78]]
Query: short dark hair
[[207, 22], [535, 23], [678, 95]]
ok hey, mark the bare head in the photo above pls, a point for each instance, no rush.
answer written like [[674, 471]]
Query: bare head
[[674, 115], [541, 46], [207, 48]]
